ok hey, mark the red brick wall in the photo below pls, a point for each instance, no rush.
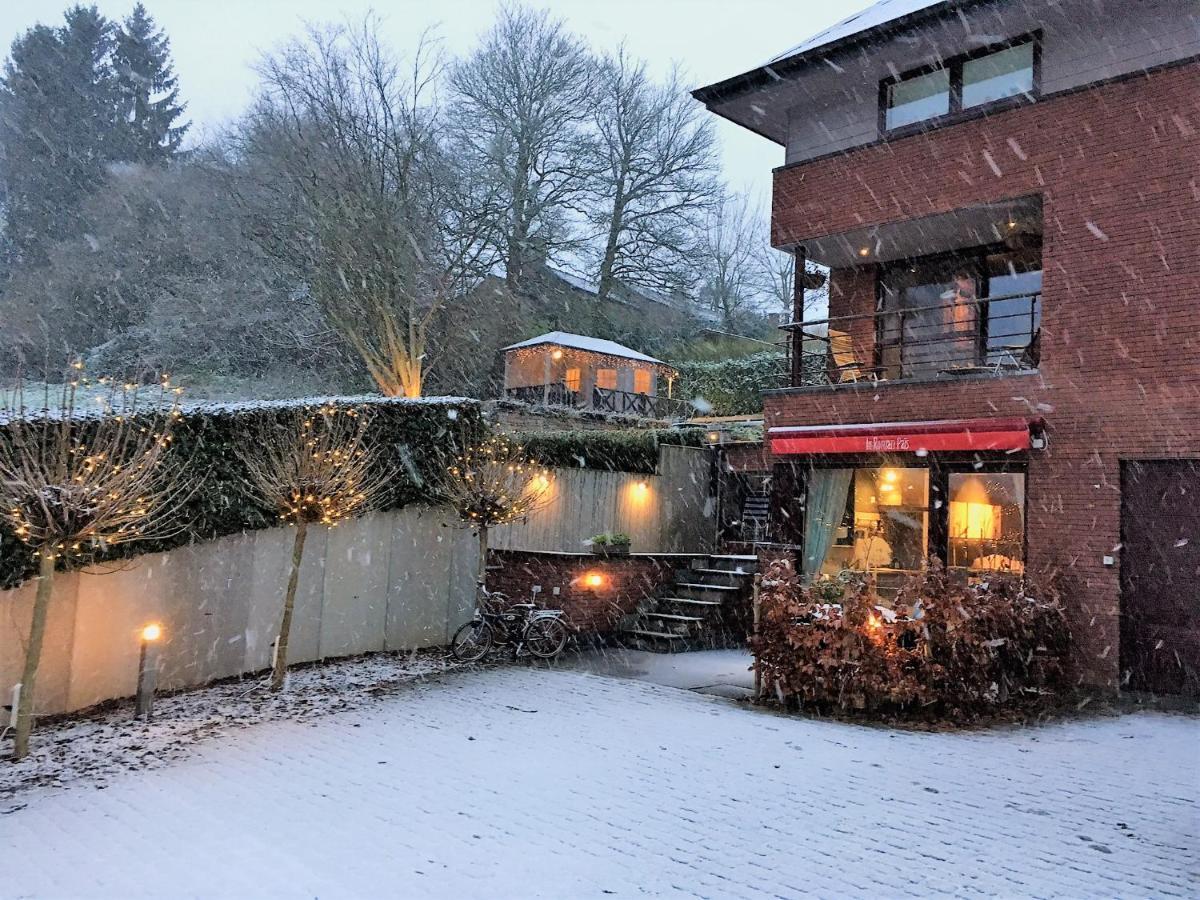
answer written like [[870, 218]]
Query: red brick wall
[[626, 582], [1118, 168]]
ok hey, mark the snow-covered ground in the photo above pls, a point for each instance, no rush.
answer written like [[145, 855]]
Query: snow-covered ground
[[520, 782]]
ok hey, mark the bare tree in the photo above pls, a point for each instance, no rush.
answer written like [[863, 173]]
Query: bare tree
[[523, 100], [78, 477], [346, 146], [313, 466], [655, 159], [493, 483], [728, 257]]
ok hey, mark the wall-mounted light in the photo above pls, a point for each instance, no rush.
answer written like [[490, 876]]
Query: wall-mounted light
[[557, 354], [714, 437], [864, 252], [593, 580]]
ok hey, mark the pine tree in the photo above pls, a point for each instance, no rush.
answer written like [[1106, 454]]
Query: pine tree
[[149, 90], [58, 126]]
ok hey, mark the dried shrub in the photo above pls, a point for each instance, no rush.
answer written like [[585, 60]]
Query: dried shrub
[[940, 646]]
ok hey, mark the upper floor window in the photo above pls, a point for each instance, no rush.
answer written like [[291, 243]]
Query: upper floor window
[[966, 82]]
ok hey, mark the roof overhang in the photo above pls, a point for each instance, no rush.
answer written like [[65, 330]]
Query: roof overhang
[[1010, 435], [973, 226]]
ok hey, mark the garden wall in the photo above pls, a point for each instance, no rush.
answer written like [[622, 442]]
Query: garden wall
[[389, 581], [670, 511]]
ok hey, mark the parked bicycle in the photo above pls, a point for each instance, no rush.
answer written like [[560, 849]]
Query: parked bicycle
[[523, 626]]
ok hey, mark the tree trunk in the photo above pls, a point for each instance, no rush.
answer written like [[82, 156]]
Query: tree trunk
[[481, 578], [289, 604], [610, 247], [33, 655]]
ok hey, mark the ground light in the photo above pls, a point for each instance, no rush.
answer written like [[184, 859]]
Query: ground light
[[147, 670]]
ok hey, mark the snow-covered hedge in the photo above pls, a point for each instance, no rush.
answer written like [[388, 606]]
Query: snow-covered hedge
[[413, 434], [629, 450]]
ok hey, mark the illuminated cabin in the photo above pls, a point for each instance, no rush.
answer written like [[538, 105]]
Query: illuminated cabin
[[586, 373]]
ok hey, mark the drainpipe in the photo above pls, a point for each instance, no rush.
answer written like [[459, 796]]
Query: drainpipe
[[801, 254]]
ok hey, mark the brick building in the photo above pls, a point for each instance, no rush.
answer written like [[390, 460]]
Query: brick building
[[1007, 198]]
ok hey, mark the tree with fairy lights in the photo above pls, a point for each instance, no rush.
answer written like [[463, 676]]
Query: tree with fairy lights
[[493, 483], [84, 470], [313, 466]]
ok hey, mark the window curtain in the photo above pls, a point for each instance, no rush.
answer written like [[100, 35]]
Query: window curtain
[[825, 507]]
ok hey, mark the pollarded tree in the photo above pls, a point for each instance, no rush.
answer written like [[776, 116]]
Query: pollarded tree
[[313, 466], [493, 482], [83, 472]]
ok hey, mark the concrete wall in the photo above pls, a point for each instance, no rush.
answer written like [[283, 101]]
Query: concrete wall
[[389, 581], [670, 512]]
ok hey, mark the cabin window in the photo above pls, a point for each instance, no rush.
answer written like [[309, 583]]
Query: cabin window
[[573, 379], [641, 381], [972, 81], [607, 379]]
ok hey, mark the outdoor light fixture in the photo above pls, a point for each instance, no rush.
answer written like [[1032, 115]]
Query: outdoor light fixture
[[557, 354], [642, 487], [147, 671], [714, 437], [864, 251], [594, 580]]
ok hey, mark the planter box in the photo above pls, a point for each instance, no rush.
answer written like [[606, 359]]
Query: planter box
[[611, 549]]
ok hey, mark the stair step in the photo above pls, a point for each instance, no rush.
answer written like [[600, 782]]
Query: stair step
[[692, 602], [705, 587], [741, 557], [662, 635], [721, 572], [674, 617]]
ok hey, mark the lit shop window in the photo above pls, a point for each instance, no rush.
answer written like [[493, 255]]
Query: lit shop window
[[987, 522]]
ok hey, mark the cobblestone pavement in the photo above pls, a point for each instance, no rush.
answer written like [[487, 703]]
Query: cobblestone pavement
[[533, 783]]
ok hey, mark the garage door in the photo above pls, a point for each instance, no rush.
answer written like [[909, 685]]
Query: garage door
[[1160, 576]]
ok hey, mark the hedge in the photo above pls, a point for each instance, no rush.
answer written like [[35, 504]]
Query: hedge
[[732, 387], [614, 451], [413, 434]]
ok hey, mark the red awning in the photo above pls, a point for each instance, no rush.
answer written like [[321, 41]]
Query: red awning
[[903, 437]]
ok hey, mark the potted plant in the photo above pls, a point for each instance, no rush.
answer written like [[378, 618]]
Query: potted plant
[[610, 543]]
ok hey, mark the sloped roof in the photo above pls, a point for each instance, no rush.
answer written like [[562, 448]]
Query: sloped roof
[[876, 18], [865, 20], [588, 344]]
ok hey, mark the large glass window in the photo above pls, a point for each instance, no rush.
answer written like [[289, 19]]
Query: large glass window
[[573, 378], [987, 522], [642, 381], [1005, 73], [918, 98], [606, 378], [866, 519]]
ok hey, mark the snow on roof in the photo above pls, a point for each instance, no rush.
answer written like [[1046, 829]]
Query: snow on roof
[[588, 344], [575, 281], [872, 17]]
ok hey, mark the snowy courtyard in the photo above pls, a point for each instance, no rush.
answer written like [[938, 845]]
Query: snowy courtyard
[[521, 782]]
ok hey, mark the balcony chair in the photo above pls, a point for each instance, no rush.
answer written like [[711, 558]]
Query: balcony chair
[[846, 366]]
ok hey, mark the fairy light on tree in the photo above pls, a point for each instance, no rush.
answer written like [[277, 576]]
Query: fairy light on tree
[[492, 483], [81, 472], [313, 466]]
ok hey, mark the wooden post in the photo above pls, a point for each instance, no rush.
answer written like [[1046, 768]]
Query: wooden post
[[546, 379], [755, 607], [797, 335]]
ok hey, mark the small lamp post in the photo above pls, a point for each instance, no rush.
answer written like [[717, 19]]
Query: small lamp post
[[148, 670]]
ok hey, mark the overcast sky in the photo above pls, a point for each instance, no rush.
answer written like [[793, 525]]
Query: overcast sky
[[215, 42]]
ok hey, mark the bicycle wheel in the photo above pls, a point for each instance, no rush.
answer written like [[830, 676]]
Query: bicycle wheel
[[545, 638], [472, 641]]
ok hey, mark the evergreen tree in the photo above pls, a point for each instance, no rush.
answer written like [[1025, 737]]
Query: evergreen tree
[[149, 90], [58, 126]]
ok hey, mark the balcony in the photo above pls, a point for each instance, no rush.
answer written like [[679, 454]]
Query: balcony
[[992, 336], [603, 400]]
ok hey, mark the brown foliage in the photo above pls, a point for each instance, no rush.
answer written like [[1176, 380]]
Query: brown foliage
[[941, 646]]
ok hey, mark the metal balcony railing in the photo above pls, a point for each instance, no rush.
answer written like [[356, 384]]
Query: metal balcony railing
[[989, 336], [606, 400]]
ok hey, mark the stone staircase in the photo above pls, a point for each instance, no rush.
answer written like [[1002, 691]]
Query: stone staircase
[[707, 606]]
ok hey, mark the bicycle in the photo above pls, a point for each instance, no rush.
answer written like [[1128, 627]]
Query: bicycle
[[497, 622]]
